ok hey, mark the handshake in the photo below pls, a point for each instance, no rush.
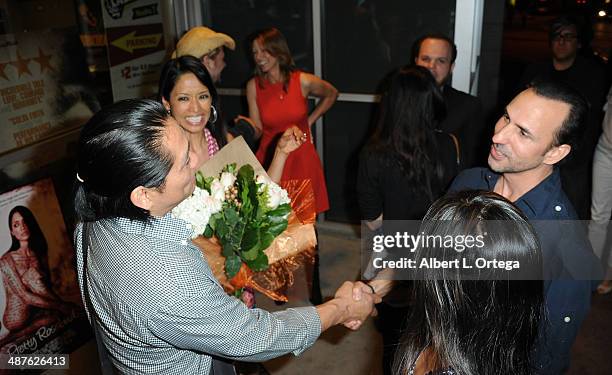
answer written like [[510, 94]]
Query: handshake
[[352, 304]]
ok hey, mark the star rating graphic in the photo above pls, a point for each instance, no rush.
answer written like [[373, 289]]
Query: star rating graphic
[[44, 61], [22, 64]]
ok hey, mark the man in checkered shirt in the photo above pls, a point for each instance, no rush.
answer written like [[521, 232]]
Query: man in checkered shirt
[[148, 291]]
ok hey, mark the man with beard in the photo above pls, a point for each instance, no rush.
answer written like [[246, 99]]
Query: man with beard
[[437, 53]]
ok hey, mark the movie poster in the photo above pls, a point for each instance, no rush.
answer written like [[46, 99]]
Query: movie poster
[[44, 87], [136, 47], [40, 304]]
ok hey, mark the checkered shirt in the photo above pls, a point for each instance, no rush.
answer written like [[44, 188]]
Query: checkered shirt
[[160, 310]]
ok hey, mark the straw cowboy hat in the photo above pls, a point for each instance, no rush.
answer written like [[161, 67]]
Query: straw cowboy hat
[[200, 41]]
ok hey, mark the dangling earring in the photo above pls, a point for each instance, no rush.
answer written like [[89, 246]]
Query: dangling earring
[[168, 111], [214, 115]]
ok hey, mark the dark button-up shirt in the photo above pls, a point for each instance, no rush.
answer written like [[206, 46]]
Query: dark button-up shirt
[[569, 263]]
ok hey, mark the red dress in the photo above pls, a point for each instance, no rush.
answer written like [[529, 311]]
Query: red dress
[[278, 110]]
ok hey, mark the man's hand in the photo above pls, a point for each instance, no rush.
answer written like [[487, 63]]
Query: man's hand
[[358, 308]]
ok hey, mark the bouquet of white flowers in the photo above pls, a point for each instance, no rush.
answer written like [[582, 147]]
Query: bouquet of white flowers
[[244, 212]]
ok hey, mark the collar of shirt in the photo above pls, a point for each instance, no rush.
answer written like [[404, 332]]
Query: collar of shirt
[[165, 228], [536, 201]]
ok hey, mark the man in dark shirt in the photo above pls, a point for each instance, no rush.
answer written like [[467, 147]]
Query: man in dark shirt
[[464, 115], [588, 78], [538, 130]]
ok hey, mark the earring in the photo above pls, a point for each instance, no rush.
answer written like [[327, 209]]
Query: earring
[[168, 111], [214, 115]]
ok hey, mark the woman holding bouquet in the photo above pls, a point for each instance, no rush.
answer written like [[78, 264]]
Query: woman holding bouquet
[[277, 100], [187, 91]]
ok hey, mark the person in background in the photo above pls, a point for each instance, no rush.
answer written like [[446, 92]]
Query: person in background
[[588, 78], [209, 46], [148, 291], [189, 95], [601, 202], [461, 324], [437, 53], [406, 165], [277, 100]]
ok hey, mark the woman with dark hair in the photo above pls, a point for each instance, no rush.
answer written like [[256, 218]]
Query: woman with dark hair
[[407, 163], [25, 274], [277, 100], [405, 166], [474, 321], [188, 93]]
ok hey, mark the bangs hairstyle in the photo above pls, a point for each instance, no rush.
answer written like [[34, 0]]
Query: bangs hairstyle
[[173, 70], [485, 326], [411, 110], [119, 149], [274, 42]]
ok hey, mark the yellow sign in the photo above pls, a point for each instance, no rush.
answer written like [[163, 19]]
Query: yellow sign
[[130, 42]]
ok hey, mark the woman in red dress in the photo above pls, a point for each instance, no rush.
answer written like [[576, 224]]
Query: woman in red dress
[[277, 100]]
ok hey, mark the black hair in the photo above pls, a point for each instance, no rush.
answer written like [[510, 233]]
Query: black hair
[[563, 21], [171, 72], [411, 109], [484, 325], [572, 129], [37, 242], [416, 46], [119, 149]]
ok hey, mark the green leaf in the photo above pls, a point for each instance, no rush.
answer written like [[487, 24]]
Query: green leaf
[[231, 216], [266, 239], [250, 238], [231, 168], [259, 264], [250, 254], [278, 228], [246, 173], [199, 180], [208, 232], [232, 265], [221, 229], [228, 248], [281, 210]]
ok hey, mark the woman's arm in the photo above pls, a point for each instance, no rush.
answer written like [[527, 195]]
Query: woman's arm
[[253, 109], [291, 139], [315, 86]]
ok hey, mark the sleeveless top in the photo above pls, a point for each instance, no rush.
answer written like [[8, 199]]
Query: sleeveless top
[[278, 110], [213, 146]]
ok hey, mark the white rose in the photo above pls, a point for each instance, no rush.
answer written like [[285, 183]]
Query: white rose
[[227, 180], [261, 179], [217, 191], [214, 205], [274, 198]]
